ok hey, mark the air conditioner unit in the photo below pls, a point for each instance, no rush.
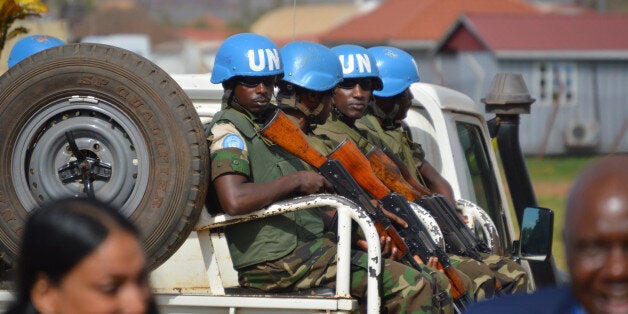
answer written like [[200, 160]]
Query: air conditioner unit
[[581, 135]]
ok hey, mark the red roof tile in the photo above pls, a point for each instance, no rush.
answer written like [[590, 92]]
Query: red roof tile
[[548, 32], [407, 20]]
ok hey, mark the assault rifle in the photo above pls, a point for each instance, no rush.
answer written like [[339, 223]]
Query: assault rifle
[[458, 237], [405, 172], [416, 235], [287, 135]]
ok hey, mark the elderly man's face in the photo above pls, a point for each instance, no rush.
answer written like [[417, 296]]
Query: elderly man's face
[[596, 240]]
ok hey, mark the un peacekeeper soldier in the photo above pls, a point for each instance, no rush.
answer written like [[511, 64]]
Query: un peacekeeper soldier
[[383, 117], [287, 252], [31, 45], [305, 93], [383, 125], [351, 95], [398, 71]]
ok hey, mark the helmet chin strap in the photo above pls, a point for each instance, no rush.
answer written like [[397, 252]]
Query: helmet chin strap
[[235, 103], [310, 113], [293, 101], [387, 119], [227, 97], [336, 113]]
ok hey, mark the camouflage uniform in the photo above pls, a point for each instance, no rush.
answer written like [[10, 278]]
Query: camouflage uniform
[[333, 132], [496, 274], [291, 252], [510, 275], [484, 281], [405, 289]]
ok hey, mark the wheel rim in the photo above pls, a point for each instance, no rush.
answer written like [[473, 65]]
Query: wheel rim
[[102, 132]]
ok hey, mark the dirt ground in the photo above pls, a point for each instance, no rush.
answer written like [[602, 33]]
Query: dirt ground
[[552, 189]]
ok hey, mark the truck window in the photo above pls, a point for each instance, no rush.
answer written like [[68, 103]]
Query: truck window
[[478, 168]]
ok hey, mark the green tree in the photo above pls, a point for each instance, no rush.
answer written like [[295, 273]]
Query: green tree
[[12, 10]]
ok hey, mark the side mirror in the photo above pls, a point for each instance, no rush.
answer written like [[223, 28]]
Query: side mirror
[[537, 227]]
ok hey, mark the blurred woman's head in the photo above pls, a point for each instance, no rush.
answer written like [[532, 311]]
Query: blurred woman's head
[[79, 255]]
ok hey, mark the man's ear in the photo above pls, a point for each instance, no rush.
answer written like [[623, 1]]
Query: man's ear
[[44, 295]]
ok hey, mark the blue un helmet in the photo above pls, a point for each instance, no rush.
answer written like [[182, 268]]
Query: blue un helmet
[[358, 63], [31, 45], [397, 69], [311, 66], [246, 54]]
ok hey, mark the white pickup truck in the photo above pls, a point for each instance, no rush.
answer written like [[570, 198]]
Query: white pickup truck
[[139, 144]]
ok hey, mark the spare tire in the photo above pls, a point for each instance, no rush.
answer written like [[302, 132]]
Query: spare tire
[[117, 113]]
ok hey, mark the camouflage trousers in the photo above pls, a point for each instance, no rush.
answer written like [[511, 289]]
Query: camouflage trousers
[[404, 289], [483, 278], [510, 275], [444, 283], [495, 275]]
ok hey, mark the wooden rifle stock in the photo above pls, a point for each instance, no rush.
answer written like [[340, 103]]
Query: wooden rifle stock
[[405, 172], [396, 241], [356, 163], [458, 290], [388, 172], [359, 167], [283, 132]]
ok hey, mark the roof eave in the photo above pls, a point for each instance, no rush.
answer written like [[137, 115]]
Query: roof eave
[[413, 44], [359, 42], [463, 21], [562, 54]]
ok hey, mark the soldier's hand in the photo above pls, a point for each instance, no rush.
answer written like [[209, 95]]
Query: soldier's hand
[[394, 218], [389, 250], [433, 262], [310, 182]]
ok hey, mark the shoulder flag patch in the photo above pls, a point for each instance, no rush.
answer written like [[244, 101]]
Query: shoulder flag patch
[[233, 140]]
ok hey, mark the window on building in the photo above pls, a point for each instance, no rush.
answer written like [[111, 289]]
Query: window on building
[[556, 82]]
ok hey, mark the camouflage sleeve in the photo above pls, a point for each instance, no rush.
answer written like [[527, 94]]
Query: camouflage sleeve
[[228, 151]]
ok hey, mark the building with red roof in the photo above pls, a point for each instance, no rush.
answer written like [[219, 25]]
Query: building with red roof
[[575, 62], [590, 36], [414, 24], [575, 66]]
